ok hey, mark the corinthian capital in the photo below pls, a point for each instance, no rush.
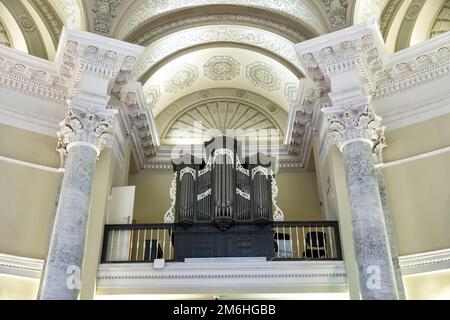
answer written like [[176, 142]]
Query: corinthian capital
[[348, 124], [85, 126]]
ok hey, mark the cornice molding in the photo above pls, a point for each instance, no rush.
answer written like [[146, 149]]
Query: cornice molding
[[139, 122], [226, 269], [20, 266], [30, 75], [356, 58], [241, 272], [154, 33], [425, 262]]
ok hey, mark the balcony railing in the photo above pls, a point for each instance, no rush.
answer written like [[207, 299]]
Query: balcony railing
[[140, 243]]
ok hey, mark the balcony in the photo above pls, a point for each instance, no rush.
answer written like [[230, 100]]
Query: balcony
[[141, 259], [145, 243]]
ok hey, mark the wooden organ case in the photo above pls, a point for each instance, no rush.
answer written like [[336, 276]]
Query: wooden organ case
[[223, 203]]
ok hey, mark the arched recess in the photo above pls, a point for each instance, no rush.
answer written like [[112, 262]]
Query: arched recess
[[441, 23], [144, 11], [199, 116], [12, 31], [34, 26], [28, 27], [404, 23]]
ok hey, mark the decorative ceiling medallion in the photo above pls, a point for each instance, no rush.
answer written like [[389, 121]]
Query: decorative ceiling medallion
[[222, 68], [413, 11], [290, 92], [182, 78], [27, 24], [153, 95], [263, 76], [205, 94], [173, 109], [337, 11], [273, 108], [239, 93]]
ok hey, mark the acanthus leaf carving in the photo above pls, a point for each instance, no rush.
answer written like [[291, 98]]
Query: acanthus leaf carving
[[87, 126], [350, 123]]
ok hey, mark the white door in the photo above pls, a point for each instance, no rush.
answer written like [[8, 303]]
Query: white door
[[121, 207]]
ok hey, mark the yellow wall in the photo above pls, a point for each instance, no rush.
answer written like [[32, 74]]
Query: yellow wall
[[18, 288], [28, 199], [419, 191], [428, 286], [27, 195], [298, 195]]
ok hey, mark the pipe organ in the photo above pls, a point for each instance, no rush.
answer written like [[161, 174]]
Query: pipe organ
[[222, 205]]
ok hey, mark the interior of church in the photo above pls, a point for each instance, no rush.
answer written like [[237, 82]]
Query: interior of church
[[225, 149]]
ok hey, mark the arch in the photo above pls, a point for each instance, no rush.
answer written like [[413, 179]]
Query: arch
[[13, 30], [189, 38], [143, 11], [223, 110]]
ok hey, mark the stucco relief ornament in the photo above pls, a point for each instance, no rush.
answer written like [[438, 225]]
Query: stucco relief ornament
[[87, 126], [169, 216], [353, 123], [278, 214], [379, 145]]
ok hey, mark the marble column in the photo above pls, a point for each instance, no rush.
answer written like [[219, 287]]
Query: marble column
[[378, 159], [354, 130], [83, 134]]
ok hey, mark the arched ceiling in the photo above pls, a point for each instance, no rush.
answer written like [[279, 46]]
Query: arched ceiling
[[34, 26], [198, 46], [404, 23]]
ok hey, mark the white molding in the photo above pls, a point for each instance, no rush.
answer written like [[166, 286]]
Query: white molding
[[413, 158], [425, 262], [31, 165], [28, 121], [230, 271], [20, 266], [409, 115], [226, 274]]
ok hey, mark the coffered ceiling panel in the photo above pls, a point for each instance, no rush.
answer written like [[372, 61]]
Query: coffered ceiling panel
[[221, 67]]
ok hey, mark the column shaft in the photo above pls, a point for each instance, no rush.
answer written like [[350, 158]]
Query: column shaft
[[369, 232], [62, 275], [390, 233]]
